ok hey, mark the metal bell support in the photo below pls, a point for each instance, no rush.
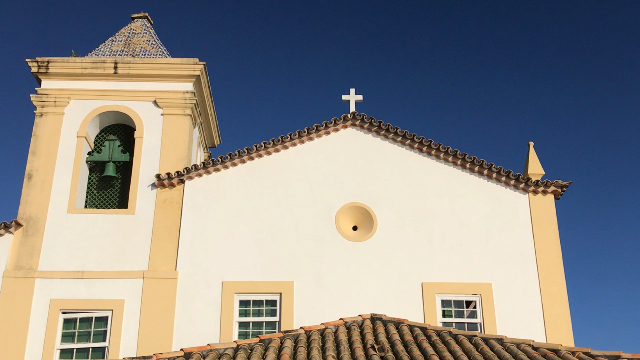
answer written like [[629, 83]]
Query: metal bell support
[[111, 151]]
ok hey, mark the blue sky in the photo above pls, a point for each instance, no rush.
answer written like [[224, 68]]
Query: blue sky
[[484, 78]]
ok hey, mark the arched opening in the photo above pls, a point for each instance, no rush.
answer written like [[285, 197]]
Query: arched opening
[[109, 168], [105, 178]]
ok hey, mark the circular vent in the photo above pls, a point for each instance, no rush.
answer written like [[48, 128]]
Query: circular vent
[[356, 222]]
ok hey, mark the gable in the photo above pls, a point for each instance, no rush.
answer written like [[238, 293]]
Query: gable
[[400, 136]]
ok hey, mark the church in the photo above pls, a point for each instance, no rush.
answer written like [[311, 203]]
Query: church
[[132, 241]]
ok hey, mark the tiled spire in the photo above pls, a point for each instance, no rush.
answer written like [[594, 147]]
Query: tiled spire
[[137, 40]]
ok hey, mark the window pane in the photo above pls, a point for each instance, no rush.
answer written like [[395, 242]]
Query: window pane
[[257, 313], [69, 324], [85, 323], [473, 327], [99, 353], [243, 335], [447, 324], [257, 325], [68, 337], [99, 336], [257, 303], [271, 303], [469, 304], [458, 314], [458, 304], [447, 314], [83, 337], [271, 312], [271, 325], [459, 326], [100, 322], [82, 353], [244, 326], [472, 314], [254, 334], [66, 354], [245, 304], [244, 313], [446, 304]]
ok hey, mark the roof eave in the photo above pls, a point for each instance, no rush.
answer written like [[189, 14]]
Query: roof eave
[[411, 140]]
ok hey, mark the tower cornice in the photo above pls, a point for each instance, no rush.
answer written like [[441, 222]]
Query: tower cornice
[[175, 70]]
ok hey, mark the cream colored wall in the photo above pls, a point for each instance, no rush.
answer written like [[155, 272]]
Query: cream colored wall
[[112, 85], [101, 241], [273, 219], [5, 245], [130, 290]]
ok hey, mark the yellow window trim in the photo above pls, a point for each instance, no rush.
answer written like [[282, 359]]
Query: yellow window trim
[[231, 288], [485, 290], [79, 158], [116, 306]]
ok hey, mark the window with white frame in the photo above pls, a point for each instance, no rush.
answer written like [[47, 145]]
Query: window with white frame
[[256, 314], [83, 335], [463, 312]]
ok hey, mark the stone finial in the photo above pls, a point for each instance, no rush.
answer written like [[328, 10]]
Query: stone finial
[[142, 15], [532, 167]]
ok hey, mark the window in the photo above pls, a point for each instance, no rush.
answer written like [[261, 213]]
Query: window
[[463, 312], [256, 314], [109, 168], [83, 335]]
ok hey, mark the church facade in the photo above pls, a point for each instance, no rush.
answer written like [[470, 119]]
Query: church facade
[[129, 232]]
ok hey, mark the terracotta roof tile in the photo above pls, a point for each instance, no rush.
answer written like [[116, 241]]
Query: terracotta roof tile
[[379, 337], [9, 227], [411, 140]]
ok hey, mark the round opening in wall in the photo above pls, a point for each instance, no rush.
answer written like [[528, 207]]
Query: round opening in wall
[[356, 222]]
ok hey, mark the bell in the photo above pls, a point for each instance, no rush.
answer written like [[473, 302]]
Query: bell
[[109, 170]]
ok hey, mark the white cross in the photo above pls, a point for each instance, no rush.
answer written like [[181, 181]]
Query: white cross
[[352, 98]]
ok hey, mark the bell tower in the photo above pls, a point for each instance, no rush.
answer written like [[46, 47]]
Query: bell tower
[[105, 124]]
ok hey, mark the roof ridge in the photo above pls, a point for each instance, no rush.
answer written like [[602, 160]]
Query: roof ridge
[[404, 137], [9, 227], [528, 348]]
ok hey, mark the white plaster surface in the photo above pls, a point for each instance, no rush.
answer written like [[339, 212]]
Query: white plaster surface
[[46, 289], [115, 85], [5, 246], [273, 219], [101, 241]]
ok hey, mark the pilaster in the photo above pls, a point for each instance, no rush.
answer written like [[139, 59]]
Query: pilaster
[[17, 293], [159, 288]]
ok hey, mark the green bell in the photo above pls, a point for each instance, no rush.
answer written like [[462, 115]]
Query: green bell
[[109, 170]]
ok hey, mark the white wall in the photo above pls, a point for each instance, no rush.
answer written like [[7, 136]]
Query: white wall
[[99, 241], [5, 247], [46, 289], [273, 219]]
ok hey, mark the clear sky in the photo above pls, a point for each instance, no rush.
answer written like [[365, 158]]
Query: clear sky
[[482, 77]]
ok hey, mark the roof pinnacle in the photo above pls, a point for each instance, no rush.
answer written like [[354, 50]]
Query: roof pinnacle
[[532, 166], [142, 15]]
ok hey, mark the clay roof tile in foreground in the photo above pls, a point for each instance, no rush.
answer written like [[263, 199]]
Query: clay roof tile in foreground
[[430, 147], [379, 337], [9, 227]]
